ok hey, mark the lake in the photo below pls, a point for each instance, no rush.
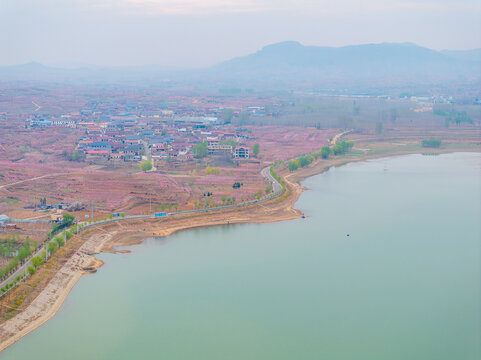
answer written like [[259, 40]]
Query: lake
[[385, 266]]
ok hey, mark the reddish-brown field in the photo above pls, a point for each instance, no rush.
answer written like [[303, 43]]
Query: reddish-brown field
[[32, 167], [284, 142]]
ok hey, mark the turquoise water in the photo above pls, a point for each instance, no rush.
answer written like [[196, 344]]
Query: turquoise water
[[405, 283]]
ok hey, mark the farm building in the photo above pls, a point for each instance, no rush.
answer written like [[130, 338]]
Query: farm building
[[241, 152]]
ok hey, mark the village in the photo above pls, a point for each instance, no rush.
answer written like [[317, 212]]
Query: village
[[158, 138]]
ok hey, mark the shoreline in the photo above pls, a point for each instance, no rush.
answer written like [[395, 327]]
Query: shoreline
[[133, 232]]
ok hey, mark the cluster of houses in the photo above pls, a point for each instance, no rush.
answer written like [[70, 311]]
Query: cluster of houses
[[135, 139], [129, 132]]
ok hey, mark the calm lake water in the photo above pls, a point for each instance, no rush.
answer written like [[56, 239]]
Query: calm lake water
[[405, 283]]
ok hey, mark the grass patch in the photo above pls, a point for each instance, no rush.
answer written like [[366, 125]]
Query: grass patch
[[9, 200]]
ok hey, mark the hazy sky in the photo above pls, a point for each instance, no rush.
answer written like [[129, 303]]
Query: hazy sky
[[203, 32]]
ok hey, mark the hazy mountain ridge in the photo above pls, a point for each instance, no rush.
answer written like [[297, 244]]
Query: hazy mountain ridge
[[358, 60], [286, 65]]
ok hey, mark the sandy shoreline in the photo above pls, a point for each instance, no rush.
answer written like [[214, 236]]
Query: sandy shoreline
[[49, 301], [131, 232]]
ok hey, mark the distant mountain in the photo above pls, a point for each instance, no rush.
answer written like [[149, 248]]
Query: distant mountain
[[287, 66], [465, 55], [291, 61]]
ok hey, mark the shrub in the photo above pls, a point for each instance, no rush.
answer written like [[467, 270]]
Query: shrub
[[59, 240], [325, 152], [212, 170], [431, 143], [146, 165], [52, 247], [303, 161], [293, 165], [37, 261], [342, 147]]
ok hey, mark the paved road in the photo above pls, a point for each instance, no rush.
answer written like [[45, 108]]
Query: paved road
[[21, 270], [266, 172]]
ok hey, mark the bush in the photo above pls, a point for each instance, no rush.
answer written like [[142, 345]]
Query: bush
[[37, 261], [52, 247], [431, 143], [303, 161], [342, 147], [31, 270], [59, 240], [212, 170], [146, 165], [293, 165], [325, 152]]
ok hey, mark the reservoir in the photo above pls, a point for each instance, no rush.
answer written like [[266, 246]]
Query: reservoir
[[405, 283]]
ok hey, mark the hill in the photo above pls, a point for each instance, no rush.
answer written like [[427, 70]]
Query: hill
[[391, 62], [290, 66]]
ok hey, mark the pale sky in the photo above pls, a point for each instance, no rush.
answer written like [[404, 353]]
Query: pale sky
[[187, 33]]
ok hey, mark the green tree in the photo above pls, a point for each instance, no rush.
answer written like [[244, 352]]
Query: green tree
[[68, 219], [243, 118], [325, 152], [255, 149], [431, 143], [31, 270], [52, 247], [304, 161], [146, 165], [37, 261], [379, 127], [293, 165], [59, 240], [342, 147], [227, 115], [200, 150]]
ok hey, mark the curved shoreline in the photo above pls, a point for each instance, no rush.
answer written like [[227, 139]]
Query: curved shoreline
[[132, 232]]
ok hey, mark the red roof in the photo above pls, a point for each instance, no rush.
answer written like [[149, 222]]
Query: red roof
[[97, 152]]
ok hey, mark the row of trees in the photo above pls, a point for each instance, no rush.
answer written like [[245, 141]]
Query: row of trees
[[22, 253], [301, 162], [52, 247], [168, 206], [338, 149]]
